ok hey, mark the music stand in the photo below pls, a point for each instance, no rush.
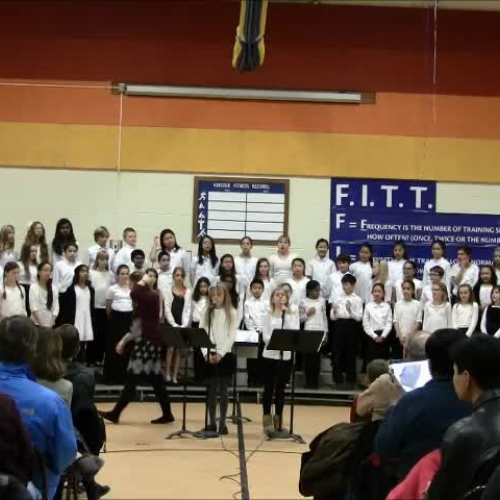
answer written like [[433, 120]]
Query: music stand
[[185, 338], [294, 341]]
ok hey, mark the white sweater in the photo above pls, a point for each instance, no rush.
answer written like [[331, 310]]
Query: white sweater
[[436, 316], [38, 304], [270, 322], [465, 316], [186, 311], [222, 330], [13, 304]]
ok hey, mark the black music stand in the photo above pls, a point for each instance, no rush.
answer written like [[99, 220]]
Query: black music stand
[[294, 341], [185, 338]]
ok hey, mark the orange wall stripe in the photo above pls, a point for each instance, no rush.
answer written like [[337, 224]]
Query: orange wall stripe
[[393, 114]]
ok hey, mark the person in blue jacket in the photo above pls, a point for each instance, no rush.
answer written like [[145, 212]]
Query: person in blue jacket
[[46, 417], [418, 422]]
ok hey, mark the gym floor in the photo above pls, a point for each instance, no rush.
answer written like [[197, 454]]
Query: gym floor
[[141, 465]]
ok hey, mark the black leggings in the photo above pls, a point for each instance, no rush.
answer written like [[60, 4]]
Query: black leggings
[[275, 380], [132, 381]]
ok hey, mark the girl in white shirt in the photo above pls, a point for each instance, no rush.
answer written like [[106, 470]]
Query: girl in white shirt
[[244, 263], [44, 299], [178, 314], [438, 249], [167, 242], [281, 314], [409, 271], [63, 237], [298, 281], [496, 262], [465, 312], [119, 310], [362, 270], [281, 261], [28, 270], [407, 316], [490, 322], [485, 284], [321, 267], [199, 305], [36, 236], [220, 323], [12, 295], [262, 272], [377, 324], [464, 272], [206, 263], [102, 279], [313, 316], [101, 237], [7, 244], [437, 313], [381, 275], [397, 262]]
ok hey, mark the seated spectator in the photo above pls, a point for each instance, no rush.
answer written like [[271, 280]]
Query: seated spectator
[[45, 415], [16, 452], [415, 347], [383, 392], [47, 365], [477, 381], [417, 423]]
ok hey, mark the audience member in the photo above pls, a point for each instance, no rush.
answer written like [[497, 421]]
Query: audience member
[[383, 392], [476, 381], [45, 415], [417, 423]]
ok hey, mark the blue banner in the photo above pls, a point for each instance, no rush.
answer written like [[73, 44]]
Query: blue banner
[[404, 210]]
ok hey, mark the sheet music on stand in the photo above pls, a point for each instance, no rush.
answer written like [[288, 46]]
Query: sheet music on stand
[[247, 337]]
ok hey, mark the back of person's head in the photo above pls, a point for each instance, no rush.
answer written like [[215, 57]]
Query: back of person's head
[[47, 363], [479, 356], [70, 341], [376, 368], [438, 349], [415, 347], [18, 336], [348, 278]]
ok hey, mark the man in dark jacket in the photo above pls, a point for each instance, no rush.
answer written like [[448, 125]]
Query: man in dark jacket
[[417, 423], [469, 441]]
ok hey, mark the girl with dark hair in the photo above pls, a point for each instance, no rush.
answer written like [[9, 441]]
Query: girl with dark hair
[[146, 356], [28, 270], [119, 311], [36, 236], [496, 262], [7, 244], [490, 322], [228, 268], [321, 267], [363, 271], [63, 236], [244, 263], [101, 279], [47, 364], [262, 272], [199, 307], [438, 249], [167, 242], [12, 295], [281, 261], [44, 299], [399, 257], [298, 281], [485, 284], [206, 263], [407, 318]]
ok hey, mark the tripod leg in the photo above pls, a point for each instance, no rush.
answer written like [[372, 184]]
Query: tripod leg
[[292, 403]]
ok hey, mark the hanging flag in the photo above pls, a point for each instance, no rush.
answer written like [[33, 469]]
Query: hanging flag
[[249, 48]]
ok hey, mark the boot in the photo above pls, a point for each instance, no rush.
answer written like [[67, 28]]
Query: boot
[[267, 424], [277, 420]]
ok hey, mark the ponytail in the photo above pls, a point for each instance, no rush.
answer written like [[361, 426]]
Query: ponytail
[[4, 294], [50, 295], [21, 291]]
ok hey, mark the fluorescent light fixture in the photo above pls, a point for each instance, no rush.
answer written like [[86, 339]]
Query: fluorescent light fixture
[[324, 96]]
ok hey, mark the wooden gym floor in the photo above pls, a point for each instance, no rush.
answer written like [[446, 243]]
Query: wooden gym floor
[[141, 465]]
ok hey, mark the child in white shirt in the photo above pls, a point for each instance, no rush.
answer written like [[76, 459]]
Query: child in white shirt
[[313, 315], [381, 275], [437, 313], [438, 249], [377, 324], [321, 267], [298, 281], [262, 272], [165, 272], [12, 294], [124, 255], [199, 306], [435, 276], [409, 271], [334, 290], [206, 263], [101, 237], [281, 261], [465, 312], [255, 307], [245, 264], [464, 272], [363, 271], [346, 313], [397, 262], [407, 317]]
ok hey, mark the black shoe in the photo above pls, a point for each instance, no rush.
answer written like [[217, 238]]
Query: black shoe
[[210, 428], [223, 430], [101, 490], [164, 419], [110, 416]]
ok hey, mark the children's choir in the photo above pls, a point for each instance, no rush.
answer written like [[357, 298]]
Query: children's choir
[[369, 308]]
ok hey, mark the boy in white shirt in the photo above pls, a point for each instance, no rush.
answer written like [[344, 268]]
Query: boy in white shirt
[[333, 286], [347, 312], [255, 307], [165, 272], [123, 256], [138, 261], [464, 272], [436, 276], [101, 237]]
